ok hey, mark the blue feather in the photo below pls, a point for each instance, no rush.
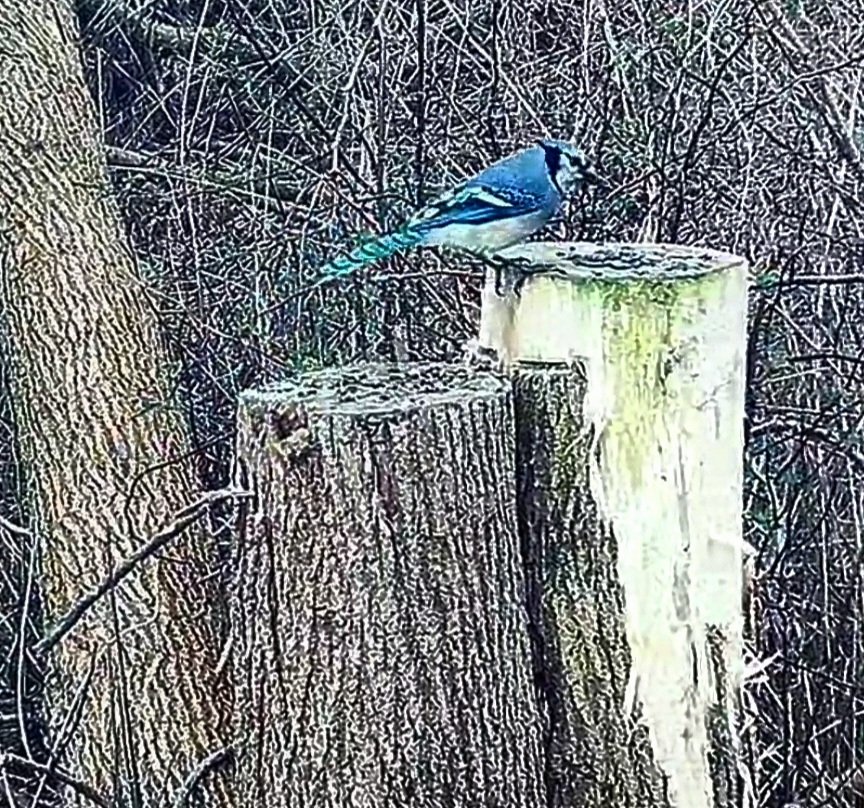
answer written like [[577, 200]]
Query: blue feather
[[371, 252], [465, 205], [469, 205]]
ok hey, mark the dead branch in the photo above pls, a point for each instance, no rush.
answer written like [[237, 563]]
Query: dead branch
[[217, 758], [182, 520], [61, 776]]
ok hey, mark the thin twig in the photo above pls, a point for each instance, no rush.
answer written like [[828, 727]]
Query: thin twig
[[818, 280], [184, 518], [13, 528], [63, 777], [198, 773]]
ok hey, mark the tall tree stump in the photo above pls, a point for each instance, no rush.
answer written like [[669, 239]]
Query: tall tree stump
[[381, 648], [629, 364]]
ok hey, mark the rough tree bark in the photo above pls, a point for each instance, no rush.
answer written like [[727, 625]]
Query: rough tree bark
[[381, 647], [595, 755], [22, 720], [630, 467], [133, 696]]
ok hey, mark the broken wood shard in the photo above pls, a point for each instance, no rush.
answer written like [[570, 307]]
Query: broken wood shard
[[629, 371]]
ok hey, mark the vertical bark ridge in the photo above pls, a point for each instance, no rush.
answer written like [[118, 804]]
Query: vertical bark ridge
[[596, 755]]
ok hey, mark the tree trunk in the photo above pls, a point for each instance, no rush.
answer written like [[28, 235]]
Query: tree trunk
[[133, 695], [630, 505], [381, 648]]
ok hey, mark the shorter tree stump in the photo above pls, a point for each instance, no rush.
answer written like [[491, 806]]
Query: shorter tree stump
[[381, 648]]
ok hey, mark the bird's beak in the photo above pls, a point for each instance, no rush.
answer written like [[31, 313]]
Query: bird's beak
[[593, 178]]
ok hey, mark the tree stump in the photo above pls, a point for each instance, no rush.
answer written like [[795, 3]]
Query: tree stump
[[381, 648], [629, 366]]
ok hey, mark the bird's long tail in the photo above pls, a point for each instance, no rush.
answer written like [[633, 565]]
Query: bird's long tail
[[366, 254]]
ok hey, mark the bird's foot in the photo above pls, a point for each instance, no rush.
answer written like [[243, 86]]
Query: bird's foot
[[483, 358], [518, 283]]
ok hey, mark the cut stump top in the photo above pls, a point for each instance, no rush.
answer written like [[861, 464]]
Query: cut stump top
[[614, 261], [369, 388]]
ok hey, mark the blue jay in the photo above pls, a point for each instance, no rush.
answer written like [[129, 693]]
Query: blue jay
[[502, 205]]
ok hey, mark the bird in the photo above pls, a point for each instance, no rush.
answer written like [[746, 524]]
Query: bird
[[496, 208]]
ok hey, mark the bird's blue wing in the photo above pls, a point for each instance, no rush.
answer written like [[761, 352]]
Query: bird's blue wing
[[472, 204]]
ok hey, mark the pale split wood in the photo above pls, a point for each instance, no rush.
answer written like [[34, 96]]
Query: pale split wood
[[660, 331], [596, 754]]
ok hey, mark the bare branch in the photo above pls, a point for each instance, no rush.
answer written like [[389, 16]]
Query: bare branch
[[821, 280], [182, 520], [157, 33], [210, 762], [90, 793]]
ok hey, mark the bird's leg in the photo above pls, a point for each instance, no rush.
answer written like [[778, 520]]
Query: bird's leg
[[498, 268], [508, 276], [484, 358], [497, 276], [519, 282]]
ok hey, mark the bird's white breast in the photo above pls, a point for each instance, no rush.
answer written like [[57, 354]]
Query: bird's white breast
[[489, 236]]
